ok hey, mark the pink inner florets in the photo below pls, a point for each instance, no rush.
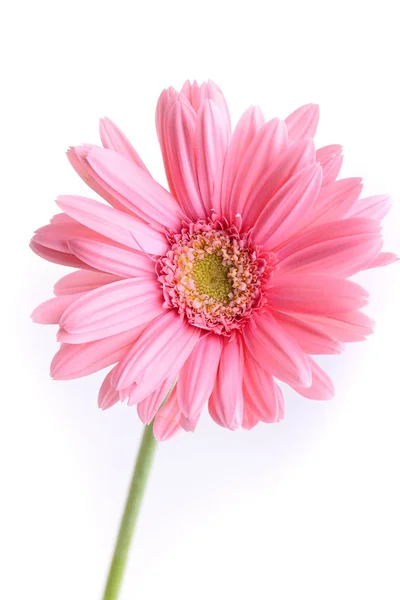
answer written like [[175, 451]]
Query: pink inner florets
[[214, 276]]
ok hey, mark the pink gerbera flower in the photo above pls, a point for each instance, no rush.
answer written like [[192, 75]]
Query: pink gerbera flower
[[225, 284]]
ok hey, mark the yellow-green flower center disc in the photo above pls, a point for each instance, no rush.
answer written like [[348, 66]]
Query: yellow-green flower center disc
[[211, 277]]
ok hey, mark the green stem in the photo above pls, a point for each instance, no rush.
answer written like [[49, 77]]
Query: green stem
[[131, 512]]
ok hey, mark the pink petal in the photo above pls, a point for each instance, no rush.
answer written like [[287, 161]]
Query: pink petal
[[255, 167], [344, 254], [148, 408], [302, 122], [164, 347], [118, 226], [374, 207], [73, 361], [179, 139], [334, 230], [208, 90], [62, 218], [335, 200], [330, 159], [113, 139], [383, 259], [261, 394], [189, 424], [192, 92], [135, 188], [146, 384], [165, 101], [212, 137], [54, 256], [108, 396], [57, 235], [51, 311], [287, 209], [326, 153], [77, 159], [315, 294], [244, 133], [166, 423], [276, 351], [309, 337], [197, 377], [111, 259], [112, 309], [226, 401], [293, 159], [250, 419], [82, 281], [321, 388], [353, 326]]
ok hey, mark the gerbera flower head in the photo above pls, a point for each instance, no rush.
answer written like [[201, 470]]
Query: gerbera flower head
[[224, 285]]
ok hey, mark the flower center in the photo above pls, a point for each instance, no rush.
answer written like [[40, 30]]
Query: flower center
[[210, 277], [214, 276]]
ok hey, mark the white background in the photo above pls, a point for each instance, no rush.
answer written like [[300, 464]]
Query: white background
[[306, 509]]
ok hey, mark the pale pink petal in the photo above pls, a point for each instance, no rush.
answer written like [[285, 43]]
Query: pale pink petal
[[247, 127], [336, 251], [112, 309], [118, 226], [78, 360], [254, 168], [383, 259], [189, 424], [211, 91], [82, 281], [192, 92], [148, 408], [76, 157], [250, 419], [57, 235], [335, 200], [165, 101], [342, 229], [226, 401], [281, 404], [146, 384], [62, 218], [276, 350], [114, 139], [315, 294], [179, 140], [197, 377], [198, 94], [51, 311], [325, 154], [309, 337], [135, 188], [108, 396], [374, 207], [288, 208], [261, 394], [302, 122], [164, 346], [54, 256], [212, 138], [330, 158], [353, 326], [167, 420], [321, 388], [294, 159], [111, 259]]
